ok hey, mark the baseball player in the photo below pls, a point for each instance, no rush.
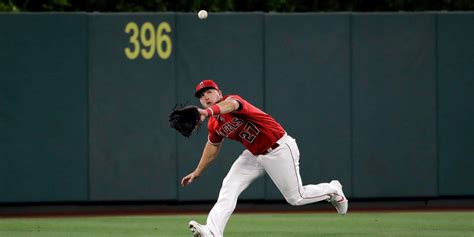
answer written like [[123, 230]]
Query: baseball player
[[269, 149]]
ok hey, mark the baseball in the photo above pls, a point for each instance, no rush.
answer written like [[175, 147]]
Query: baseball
[[202, 14]]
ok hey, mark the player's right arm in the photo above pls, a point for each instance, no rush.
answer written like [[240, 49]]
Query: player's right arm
[[209, 153]]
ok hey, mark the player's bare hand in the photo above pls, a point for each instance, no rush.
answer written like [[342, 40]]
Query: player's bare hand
[[203, 114], [189, 178]]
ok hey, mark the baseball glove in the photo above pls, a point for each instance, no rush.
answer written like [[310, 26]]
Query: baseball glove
[[185, 119]]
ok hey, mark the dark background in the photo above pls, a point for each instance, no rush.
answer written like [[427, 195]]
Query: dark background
[[380, 101], [235, 5]]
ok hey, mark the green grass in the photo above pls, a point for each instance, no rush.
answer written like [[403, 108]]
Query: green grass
[[380, 224]]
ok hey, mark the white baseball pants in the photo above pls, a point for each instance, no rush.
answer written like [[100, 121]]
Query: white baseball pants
[[282, 165]]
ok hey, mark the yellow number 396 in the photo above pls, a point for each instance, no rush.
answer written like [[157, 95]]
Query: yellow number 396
[[147, 41]]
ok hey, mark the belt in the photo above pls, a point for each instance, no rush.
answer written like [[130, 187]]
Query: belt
[[273, 147]]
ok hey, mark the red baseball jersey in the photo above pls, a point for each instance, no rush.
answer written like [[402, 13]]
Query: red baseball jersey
[[255, 129]]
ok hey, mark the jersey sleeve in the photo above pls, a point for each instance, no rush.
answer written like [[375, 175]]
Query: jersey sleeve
[[213, 137], [243, 103]]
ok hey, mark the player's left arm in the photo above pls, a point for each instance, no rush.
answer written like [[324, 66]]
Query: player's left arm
[[226, 106], [229, 105]]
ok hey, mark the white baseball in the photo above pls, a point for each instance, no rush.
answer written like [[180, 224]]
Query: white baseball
[[202, 14]]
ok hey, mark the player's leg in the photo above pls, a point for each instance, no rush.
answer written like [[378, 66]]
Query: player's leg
[[244, 170], [282, 165]]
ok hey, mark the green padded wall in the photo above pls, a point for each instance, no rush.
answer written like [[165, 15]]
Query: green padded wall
[[394, 105], [307, 89], [455, 103], [132, 148], [43, 107], [228, 49], [380, 101]]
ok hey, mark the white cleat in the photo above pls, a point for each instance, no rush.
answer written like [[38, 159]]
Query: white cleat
[[199, 230], [339, 200]]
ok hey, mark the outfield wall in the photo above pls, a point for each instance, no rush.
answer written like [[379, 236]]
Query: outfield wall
[[380, 101]]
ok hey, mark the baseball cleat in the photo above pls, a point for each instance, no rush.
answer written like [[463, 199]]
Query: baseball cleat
[[199, 230], [339, 200]]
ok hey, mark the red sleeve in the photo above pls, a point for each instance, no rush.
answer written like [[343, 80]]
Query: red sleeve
[[243, 104], [213, 137]]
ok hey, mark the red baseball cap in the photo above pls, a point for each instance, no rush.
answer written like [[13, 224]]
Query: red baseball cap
[[204, 85]]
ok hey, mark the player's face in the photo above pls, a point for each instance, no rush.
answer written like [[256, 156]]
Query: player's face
[[210, 97]]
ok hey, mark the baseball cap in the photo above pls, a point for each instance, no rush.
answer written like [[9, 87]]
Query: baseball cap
[[203, 85]]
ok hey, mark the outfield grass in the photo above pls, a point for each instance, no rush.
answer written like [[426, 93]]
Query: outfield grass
[[383, 224]]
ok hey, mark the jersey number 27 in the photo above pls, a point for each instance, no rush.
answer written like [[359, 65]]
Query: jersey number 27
[[250, 132]]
